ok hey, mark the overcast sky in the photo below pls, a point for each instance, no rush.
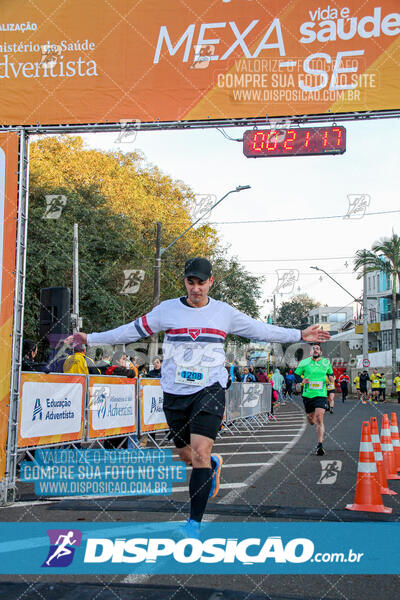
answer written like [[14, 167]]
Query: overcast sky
[[282, 188]]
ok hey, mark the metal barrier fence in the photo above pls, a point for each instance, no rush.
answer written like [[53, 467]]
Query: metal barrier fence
[[67, 409], [246, 401]]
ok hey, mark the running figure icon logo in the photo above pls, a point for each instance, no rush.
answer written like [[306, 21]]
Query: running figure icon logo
[[358, 204], [252, 393], [330, 471], [286, 280], [61, 552]]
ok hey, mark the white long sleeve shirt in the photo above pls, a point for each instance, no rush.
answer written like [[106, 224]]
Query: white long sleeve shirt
[[193, 348]]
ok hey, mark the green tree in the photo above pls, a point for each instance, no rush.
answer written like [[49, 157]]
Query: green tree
[[108, 244], [236, 286], [384, 256], [294, 312], [116, 199]]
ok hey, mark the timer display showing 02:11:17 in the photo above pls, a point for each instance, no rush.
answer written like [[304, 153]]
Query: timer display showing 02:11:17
[[296, 141]]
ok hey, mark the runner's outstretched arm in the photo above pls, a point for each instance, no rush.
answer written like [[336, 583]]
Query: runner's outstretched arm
[[131, 332], [246, 326]]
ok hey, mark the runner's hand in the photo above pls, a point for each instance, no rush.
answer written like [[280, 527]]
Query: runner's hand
[[76, 339], [315, 334]]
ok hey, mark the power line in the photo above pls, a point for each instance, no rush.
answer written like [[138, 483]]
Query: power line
[[295, 259], [371, 214], [304, 273]]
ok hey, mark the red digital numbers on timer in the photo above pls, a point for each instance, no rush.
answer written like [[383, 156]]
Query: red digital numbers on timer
[[297, 141]]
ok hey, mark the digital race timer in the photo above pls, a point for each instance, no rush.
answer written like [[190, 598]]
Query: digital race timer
[[296, 141]]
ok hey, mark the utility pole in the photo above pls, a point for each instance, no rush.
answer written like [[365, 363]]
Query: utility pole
[[365, 318], [76, 320], [157, 267], [274, 309], [156, 295]]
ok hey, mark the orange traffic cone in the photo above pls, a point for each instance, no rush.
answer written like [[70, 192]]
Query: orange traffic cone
[[379, 459], [367, 496], [394, 430], [387, 450]]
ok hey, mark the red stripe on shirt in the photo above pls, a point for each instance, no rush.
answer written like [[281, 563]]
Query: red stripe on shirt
[[146, 325], [202, 330]]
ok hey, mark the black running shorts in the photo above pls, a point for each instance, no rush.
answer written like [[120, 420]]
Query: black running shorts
[[310, 404], [199, 413]]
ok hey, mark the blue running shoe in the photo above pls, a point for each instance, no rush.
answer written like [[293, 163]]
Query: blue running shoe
[[216, 464], [191, 529]]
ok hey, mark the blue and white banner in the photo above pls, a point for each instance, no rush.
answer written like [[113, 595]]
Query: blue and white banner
[[223, 548], [50, 408], [112, 406], [73, 472]]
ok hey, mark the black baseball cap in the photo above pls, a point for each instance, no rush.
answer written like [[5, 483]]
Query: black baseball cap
[[198, 267]]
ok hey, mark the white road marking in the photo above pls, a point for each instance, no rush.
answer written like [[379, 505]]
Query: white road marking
[[260, 435], [230, 465], [233, 494], [254, 452], [220, 443], [223, 486]]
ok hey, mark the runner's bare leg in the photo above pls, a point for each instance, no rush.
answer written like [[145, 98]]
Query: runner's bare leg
[[319, 420]]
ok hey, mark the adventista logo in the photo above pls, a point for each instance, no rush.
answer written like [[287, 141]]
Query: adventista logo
[[62, 542], [37, 410]]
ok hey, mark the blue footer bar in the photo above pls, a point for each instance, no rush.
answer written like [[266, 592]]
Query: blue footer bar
[[222, 548]]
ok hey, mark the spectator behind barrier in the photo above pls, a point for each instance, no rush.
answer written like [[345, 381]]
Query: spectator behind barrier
[[233, 373], [143, 371], [278, 382], [80, 363], [102, 360], [118, 366], [131, 363], [29, 351], [262, 376], [247, 377], [58, 356], [156, 370]]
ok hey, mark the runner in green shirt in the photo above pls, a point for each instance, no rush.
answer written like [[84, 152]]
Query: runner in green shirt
[[315, 369]]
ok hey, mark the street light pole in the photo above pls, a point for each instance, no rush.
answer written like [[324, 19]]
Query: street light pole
[[157, 267], [364, 308], [238, 189], [339, 284], [365, 319], [159, 253]]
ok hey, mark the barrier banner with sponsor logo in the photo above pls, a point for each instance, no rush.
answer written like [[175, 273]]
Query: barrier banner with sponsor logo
[[99, 61], [112, 406], [152, 416], [51, 409], [8, 234], [223, 548]]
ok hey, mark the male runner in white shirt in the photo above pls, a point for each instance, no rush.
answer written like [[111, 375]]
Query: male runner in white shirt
[[193, 376]]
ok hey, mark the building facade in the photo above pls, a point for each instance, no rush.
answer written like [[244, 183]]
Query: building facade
[[330, 318], [379, 313]]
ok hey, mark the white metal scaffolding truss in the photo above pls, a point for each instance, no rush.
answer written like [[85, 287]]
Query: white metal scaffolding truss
[[8, 485]]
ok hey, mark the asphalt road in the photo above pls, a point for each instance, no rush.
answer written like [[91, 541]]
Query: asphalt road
[[269, 474]]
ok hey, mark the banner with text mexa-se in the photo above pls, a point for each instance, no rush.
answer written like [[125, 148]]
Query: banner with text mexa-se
[[98, 61], [8, 232]]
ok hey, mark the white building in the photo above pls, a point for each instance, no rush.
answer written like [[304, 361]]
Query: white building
[[330, 318], [379, 313]]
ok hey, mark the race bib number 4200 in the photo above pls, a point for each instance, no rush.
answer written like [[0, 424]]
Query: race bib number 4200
[[196, 376]]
